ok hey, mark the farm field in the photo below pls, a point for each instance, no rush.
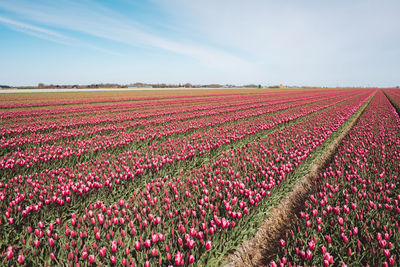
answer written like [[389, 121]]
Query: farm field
[[351, 216], [186, 177]]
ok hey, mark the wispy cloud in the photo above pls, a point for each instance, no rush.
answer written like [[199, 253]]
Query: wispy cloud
[[49, 35], [34, 30], [95, 20]]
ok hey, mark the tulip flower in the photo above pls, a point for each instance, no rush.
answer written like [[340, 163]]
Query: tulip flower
[[9, 254], [208, 245], [21, 259], [137, 245], [103, 251], [91, 258]]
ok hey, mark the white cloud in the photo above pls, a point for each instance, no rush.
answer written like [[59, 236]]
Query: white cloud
[[322, 42], [96, 20], [49, 35], [34, 30]]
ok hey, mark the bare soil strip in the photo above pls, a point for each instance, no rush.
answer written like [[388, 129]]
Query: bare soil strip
[[259, 249]]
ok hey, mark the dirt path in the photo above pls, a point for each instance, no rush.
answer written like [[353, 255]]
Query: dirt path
[[259, 249]]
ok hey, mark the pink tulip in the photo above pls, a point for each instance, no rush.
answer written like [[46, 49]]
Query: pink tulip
[[91, 258], [137, 245], [154, 252], [113, 246], [178, 259], [208, 245], [103, 252], [308, 254], [21, 259], [10, 254]]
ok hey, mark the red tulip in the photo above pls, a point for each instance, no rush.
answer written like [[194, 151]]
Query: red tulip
[[178, 259], [311, 245], [308, 254], [355, 230], [103, 252], [154, 252], [208, 245], [113, 246], [137, 245], [10, 254], [21, 259], [91, 258], [191, 259]]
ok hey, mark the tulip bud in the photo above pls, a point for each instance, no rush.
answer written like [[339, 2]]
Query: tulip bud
[[154, 252], [208, 245], [91, 258], [21, 259]]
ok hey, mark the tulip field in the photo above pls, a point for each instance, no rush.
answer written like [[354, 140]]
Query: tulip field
[[352, 215], [183, 178]]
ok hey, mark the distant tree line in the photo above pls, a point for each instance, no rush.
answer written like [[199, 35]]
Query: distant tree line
[[154, 85], [145, 85]]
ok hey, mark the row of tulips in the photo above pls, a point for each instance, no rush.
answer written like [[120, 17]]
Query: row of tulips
[[352, 214], [29, 193], [221, 131], [28, 102], [87, 111], [78, 113], [126, 112], [394, 96], [42, 103], [44, 119], [173, 220], [144, 119]]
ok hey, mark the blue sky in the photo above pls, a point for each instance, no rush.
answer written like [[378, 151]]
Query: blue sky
[[323, 43]]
